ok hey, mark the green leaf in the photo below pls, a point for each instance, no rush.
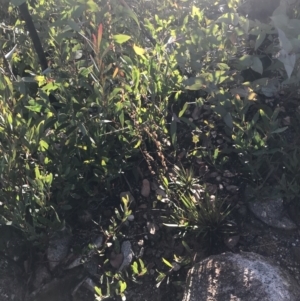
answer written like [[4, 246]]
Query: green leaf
[[186, 246], [228, 120], [223, 66], [280, 20], [17, 2], [138, 50], [107, 287], [229, 18], [260, 38], [205, 79], [173, 130], [73, 25], [257, 65], [138, 144], [92, 6], [161, 277], [35, 108], [121, 117], [141, 263], [134, 268], [165, 180], [216, 153], [37, 172], [280, 130], [123, 286], [166, 262], [121, 38], [98, 291], [132, 15], [185, 106], [66, 207], [245, 61], [83, 129]]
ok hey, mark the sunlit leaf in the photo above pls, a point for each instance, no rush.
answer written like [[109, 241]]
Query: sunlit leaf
[[185, 106], [121, 38], [123, 286], [34, 108], [260, 38], [138, 50], [166, 262]]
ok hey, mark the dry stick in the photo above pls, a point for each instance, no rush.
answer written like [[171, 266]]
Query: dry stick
[[37, 45], [7, 65]]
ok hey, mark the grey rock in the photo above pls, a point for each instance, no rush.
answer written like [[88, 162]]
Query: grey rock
[[271, 212], [239, 277], [41, 277], [127, 252], [296, 253], [59, 289], [58, 247], [82, 259], [12, 284]]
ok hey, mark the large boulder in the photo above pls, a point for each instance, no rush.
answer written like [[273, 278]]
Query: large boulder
[[239, 277]]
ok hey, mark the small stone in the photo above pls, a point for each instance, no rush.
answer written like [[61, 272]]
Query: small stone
[[145, 192], [228, 174], [127, 254], [116, 260], [161, 192], [176, 266], [231, 241], [152, 227], [90, 284], [232, 188], [130, 218], [213, 174], [196, 113]]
